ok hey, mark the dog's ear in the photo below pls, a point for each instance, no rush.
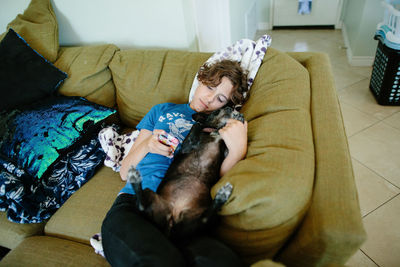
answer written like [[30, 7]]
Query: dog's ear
[[200, 117]]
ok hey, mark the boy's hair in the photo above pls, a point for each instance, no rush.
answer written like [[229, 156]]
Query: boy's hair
[[211, 75]]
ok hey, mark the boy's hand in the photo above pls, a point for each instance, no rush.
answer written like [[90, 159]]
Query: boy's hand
[[154, 145], [234, 134]]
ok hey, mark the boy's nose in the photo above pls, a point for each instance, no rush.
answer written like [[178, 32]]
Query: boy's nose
[[210, 98]]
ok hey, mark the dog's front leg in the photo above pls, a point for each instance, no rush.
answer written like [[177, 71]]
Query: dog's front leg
[[135, 179], [220, 199]]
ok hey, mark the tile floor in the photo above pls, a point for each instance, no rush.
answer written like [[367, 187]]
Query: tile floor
[[374, 139]]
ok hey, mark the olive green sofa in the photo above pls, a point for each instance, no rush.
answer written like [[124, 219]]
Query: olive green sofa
[[294, 199]]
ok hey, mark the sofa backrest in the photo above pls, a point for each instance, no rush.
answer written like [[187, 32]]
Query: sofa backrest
[[144, 78], [88, 72]]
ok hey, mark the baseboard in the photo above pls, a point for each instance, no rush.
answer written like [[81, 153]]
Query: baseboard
[[357, 61], [304, 27]]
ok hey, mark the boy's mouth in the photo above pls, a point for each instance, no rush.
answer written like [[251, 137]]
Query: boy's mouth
[[203, 104]]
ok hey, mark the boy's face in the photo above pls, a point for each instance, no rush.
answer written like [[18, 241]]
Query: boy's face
[[209, 98]]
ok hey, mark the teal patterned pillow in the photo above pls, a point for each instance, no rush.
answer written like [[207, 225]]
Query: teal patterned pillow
[[37, 136]]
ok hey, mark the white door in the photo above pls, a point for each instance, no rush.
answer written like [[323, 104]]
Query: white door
[[323, 12]]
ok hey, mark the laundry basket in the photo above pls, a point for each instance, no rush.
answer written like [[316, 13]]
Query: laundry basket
[[385, 78], [389, 29]]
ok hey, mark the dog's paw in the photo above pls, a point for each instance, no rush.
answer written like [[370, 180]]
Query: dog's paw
[[237, 116], [133, 176], [224, 193]]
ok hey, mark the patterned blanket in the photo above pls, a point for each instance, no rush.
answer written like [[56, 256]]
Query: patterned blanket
[[30, 200]]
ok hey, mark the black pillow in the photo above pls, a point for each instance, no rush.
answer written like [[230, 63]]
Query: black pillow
[[25, 76]]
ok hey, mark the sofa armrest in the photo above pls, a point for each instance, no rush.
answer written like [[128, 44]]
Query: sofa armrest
[[332, 229]]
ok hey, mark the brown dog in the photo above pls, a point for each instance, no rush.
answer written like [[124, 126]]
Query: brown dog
[[182, 204]]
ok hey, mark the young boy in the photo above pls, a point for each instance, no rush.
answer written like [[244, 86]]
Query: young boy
[[129, 239]]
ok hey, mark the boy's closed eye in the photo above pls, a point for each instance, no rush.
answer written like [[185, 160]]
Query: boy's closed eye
[[222, 99]]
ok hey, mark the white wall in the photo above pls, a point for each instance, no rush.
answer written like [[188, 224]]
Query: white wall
[[221, 23], [263, 14], [9, 10], [194, 25], [238, 11], [126, 23], [359, 25], [212, 19]]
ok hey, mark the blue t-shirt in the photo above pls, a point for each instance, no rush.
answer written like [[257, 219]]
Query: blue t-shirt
[[175, 119]]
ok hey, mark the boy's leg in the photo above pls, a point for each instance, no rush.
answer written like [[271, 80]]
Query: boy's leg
[[205, 251], [131, 240]]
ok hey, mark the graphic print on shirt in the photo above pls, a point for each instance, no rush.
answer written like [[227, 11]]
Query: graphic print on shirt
[[177, 124]]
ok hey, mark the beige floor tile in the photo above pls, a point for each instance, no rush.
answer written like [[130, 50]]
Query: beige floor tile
[[373, 190], [365, 71], [378, 148], [382, 227], [293, 35], [360, 260], [394, 120], [333, 49], [359, 96], [287, 43], [345, 77], [355, 120], [329, 36], [342, 62], [282, 45]]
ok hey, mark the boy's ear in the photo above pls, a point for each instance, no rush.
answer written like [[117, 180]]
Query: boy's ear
[[200, 117]]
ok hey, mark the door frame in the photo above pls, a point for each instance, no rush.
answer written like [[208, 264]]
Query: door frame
[[212, 26]]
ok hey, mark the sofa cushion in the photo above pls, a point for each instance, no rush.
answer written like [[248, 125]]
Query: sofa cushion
[[144, 78], [81, 216], [25, 76], [332, 230], [50, 251], [88, 73], [38, 26], [13, 233]]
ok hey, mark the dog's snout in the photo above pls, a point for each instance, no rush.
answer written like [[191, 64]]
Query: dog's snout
[[238, 116]]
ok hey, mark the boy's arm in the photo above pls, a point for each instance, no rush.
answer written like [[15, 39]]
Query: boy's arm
[[235, 138], [146, 142], [136, 154]]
